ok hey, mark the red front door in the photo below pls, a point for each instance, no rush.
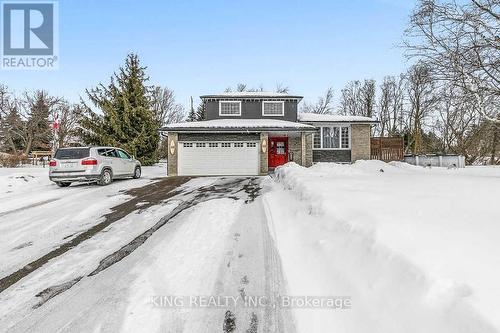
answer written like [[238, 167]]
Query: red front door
[[278, 151]]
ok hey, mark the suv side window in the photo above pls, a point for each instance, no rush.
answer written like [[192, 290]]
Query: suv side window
[[123, 154], [107, 152]]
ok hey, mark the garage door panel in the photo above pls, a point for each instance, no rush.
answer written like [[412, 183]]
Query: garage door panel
[[242, 159]]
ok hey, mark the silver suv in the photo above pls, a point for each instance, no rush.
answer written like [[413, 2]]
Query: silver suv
[[92, 164]]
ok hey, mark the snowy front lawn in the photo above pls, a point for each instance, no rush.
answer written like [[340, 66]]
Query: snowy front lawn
[[416, 249]]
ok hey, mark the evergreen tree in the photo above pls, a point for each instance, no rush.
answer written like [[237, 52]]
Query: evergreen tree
[[127, 119], [200, 112], [192, 112]]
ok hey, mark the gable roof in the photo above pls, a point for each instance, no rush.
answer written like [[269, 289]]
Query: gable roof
[[237, 125], [334, 118], [252, 95]]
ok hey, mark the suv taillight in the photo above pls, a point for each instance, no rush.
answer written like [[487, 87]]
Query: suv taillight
[[89, 161], [52, 163]]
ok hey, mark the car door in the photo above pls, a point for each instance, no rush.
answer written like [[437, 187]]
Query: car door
[[110, 158], [128, 163]]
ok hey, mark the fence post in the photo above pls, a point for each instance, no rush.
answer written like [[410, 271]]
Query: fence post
[[380, 149]]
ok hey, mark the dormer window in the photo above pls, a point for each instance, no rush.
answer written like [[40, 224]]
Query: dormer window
[[230, 108], [273, 108]]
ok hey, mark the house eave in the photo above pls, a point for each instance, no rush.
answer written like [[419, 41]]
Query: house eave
[[250, 98], [237, 130], [347, 122]]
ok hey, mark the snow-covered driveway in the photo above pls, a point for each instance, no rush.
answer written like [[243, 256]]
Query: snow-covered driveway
[[36, 216], [109, 254]]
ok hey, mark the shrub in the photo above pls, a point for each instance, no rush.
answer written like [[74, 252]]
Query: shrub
[[12, 161]]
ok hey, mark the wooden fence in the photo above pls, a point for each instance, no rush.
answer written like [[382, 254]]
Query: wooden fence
[[387, 149]]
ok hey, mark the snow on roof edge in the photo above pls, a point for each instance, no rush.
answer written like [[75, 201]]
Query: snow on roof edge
[[315, 117], [251, 94], [237, 124]]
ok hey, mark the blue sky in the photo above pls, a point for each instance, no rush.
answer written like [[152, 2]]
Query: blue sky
[[199, 47]]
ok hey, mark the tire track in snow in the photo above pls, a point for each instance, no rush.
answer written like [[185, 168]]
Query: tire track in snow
[[223, 189], [276, 319], [33, 205], [152, 194], [252, 268]]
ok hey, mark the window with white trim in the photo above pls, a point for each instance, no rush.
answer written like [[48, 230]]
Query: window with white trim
[[332, 137], [317, 138], [187, 144], [273, 108], [200, 144], [213, 145], [229, 108], [238, 144], [225, 144], [251, 144], [344, 142]]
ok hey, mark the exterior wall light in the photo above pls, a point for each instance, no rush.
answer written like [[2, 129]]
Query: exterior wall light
[[264, 145], [172, 147]]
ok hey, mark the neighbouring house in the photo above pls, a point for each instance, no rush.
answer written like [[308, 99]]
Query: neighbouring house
[[251, 133]]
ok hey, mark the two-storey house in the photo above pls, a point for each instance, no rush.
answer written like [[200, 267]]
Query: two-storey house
[[250, 133]]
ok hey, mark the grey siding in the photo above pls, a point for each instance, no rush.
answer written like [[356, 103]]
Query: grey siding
[[218, 137], [331, 156], [251, 110]]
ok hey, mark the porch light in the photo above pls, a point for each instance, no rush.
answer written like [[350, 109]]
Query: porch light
[[264, 145], [172, 147]]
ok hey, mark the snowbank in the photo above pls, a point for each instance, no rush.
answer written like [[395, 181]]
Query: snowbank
[[416, 249]]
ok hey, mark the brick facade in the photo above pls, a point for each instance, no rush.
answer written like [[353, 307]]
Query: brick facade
[[308, 152], [172, 158], [360, 142], [263, 163]]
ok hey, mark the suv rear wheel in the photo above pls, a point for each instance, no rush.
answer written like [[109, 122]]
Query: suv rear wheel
[[137, 172], [63, 184], [106, 177]]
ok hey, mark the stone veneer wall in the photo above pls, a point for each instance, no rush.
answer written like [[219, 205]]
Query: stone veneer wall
[[308, 149], [360, 142], [263, 155], [295, 149], [172, 158], [300, 149]]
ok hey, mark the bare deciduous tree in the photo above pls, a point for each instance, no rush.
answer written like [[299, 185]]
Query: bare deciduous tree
[[460, 44], [165, 107], [281, 88], [350, 100], [35, 110], [68, 123], [422, 99], [391, 105], [367, 95], [324, 104]]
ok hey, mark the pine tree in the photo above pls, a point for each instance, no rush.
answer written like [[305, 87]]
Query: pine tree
[[200, 112], [192, 112], [127, 119]]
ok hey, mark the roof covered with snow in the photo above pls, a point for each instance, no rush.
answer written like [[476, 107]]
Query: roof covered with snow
[[333, 118], [251, 95], [238, 125]]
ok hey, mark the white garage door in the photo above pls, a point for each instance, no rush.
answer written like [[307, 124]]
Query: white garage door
[[218, 158]]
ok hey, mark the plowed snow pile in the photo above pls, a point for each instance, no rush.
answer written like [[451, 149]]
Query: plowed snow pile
[[417, 250]]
